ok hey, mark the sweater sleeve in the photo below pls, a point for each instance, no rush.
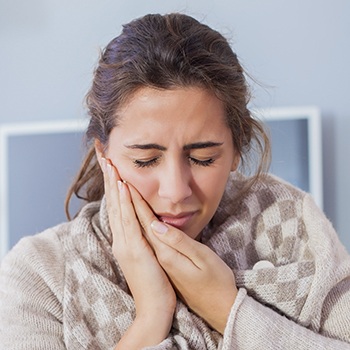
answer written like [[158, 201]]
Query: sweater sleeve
[[253, 326], [31, 278], [326, 312]]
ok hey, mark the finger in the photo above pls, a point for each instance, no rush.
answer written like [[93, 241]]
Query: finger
[[180, 242], [173, 248], [143, 212], [111, 178], [112, 196], [169, 243], [129, 220]]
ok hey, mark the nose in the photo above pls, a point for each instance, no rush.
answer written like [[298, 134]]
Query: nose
[[175, 183]]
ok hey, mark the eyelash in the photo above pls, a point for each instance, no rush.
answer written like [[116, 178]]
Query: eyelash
[[206, 162], [154, 161], [145, 163]]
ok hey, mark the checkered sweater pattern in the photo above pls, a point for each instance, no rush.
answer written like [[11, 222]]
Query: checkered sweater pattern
[[63, 289]]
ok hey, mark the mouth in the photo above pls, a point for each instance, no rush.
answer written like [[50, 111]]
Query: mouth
[[179, 221]]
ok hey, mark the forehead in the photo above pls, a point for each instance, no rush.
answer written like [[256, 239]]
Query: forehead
[[171, 106], [171, 118]]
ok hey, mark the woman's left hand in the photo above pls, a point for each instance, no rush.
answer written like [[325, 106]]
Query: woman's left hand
[[202, 280]]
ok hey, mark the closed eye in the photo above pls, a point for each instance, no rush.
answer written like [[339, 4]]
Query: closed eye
[[205, 162], [146, 163], [154, 161]]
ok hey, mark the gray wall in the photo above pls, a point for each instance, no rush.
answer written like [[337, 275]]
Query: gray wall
[[298, 50]]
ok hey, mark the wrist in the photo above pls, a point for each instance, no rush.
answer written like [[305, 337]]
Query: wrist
[[217, 317], [148, 329]]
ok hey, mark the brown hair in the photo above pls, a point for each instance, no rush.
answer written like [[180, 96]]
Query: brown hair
[[164, 52]]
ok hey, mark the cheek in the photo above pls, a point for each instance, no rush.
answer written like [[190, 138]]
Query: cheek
[[143, 183], [214, 194], [210, 190], [213, 184]]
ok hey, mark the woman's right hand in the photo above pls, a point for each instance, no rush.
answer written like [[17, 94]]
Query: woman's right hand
[[154, 296]]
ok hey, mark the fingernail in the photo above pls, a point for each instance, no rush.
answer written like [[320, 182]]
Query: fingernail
[[159, 227], [109, 169], [120, 185]]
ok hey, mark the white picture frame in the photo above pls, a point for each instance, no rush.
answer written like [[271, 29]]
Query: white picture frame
[[309, 151]]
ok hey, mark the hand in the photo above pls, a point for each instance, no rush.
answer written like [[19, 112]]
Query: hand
[[202, 280], [155, 299]]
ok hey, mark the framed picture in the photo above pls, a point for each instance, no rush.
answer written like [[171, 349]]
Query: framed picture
[[296, 140], [38, 162]]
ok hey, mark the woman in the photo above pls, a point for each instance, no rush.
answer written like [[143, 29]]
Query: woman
[[175, 249]]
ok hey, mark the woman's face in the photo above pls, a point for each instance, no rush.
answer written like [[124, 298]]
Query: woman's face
[[174, 147]]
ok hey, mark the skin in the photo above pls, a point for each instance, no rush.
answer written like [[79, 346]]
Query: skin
[[176, 153]]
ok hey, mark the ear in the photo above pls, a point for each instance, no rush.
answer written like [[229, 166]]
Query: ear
[[235, 162], [99, 149]]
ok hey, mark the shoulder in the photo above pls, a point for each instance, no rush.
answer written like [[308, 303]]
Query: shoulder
[[34, 270], [269, 195], [270, 189], [33, 280], [275, 201], [35, 265], [47, 251], [32, 287], [267, 222]]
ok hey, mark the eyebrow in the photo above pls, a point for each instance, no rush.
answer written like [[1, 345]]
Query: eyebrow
[[195, 145], [201, 145], [147, 146]]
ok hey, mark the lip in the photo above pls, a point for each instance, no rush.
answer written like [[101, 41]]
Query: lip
[[179, 221]]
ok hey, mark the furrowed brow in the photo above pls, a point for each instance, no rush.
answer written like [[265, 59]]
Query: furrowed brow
[[201, 145], [147, 146]]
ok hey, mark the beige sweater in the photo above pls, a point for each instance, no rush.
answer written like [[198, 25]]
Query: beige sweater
[[62, 289]]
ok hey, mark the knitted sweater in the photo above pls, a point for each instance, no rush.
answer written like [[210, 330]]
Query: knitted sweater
[[63, 289]]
